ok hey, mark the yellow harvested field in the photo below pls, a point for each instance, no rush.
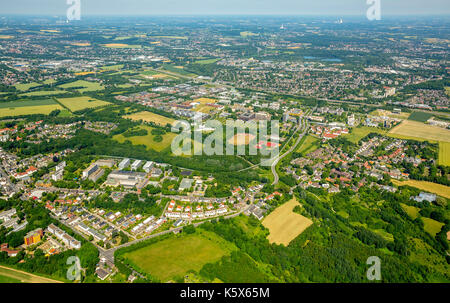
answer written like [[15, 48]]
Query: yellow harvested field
[[438, 189], [84, 73], [241, 139], [420, 131], [6, 37], [81, 44], [120, 45], [205, 100], [444, 153], [285, 225], [381, 113], [80, 103], [150, 117]]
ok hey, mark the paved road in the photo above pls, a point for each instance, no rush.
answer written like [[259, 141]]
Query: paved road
[[293, 147]]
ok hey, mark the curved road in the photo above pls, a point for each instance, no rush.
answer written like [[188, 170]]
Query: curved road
[[293, 147]]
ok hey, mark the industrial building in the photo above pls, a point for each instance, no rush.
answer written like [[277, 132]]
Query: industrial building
[[127, 179], [124, 163]]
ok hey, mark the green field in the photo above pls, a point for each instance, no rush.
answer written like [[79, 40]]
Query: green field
[[26, 86], [11, 275], [444, 153], [175, 256], [360, 132], [432, 226], [180, 71], [22, 108], [412, 211], [112, 67], [4, 279], [44, 93], [206, 61], [148, 140], [308, 146], [82, 86], [420, 116], [80, 103]]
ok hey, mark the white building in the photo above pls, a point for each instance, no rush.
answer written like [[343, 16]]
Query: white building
[[124, 163]]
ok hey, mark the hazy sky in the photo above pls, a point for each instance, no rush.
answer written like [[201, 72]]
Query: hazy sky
[[190, 7]]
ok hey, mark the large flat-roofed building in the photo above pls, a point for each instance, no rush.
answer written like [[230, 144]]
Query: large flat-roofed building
[[136, 164], [64, 237], [106, 163], [124, 163], [148, 166], [125, 178], [97, 175], [90, 170]]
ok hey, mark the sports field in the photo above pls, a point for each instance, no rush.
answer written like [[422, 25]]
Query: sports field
[[82, 86], [148, 140], [414, 130], [360, 132], [444, 153], [79, 103], [150, 117], [175, 256], [10, 275], [285, 225], [22, 108], [438, 189]]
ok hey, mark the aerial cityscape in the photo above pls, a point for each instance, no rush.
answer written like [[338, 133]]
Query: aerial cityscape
[[218, 148]]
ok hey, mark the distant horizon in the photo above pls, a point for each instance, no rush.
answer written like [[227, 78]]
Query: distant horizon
[[228, 14], [229, 7]]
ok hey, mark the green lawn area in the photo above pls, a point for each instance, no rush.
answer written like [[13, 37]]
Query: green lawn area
[[44, 93], [387, 236], [79, 103], [175, 256], [360, 132], [420, 116], [412, 211], [207, 61], [11, 275], [4, 279], [112, 67], [180, 71], [82, 86], [29, 107], [26, 86], [309, 145], [148, 140], [432, 226]]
